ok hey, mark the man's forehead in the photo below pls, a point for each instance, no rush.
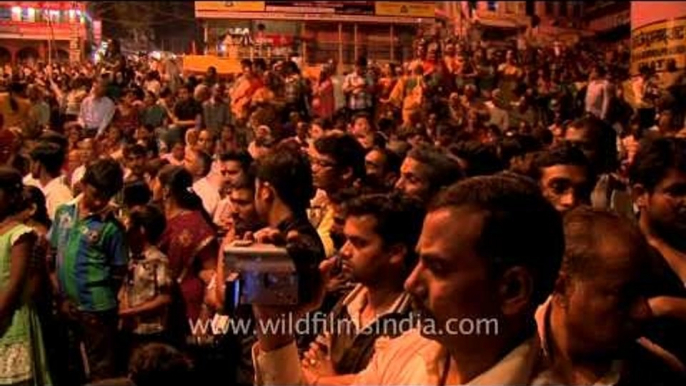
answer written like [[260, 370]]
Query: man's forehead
[[673, 176], [451, 231], [412, 166], [231, 164], [374, 156], [577, 134], [242, 195], [360, 225], [574, 172]]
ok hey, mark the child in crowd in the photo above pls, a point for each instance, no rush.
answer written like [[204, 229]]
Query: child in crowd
[[145, 296]]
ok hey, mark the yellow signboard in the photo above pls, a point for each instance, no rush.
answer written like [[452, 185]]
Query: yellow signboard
[[658, 44], [229, 6], [405, 8]]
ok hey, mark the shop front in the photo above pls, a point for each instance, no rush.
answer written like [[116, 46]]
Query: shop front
[[314, 32]]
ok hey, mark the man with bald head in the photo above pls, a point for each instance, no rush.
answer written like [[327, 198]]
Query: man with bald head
[[590, 325]]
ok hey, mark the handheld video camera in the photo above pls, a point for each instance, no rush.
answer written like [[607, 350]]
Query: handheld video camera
[[266, 274]]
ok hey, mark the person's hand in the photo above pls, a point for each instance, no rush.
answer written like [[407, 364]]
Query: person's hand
[[662, 305], [267, 236], [318, 359], [279, 314], [67, 309]]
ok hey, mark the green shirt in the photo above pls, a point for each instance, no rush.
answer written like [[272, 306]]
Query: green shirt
[[88, 251]]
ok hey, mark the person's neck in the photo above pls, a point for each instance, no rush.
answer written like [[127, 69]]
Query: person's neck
[[146, 247], [472, 363], [657, 241], [381, 294], [573, 367], [171, 209], [45, 179], [84, 211], [279, 214]]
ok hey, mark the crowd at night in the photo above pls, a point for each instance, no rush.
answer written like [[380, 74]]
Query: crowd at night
[[542, 188]]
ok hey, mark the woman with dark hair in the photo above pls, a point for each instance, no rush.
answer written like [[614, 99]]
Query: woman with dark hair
[[34, 210], [126, 118], [22, 354], [189, 239]]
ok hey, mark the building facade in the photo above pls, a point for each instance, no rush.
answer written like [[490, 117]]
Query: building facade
[[315, 31], [47, 31], [609, 20], [534, 21]]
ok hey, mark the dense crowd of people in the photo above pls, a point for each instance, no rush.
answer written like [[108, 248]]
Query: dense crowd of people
[[541, 187]]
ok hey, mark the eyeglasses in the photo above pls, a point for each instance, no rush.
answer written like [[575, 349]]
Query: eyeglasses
[[323, 163]]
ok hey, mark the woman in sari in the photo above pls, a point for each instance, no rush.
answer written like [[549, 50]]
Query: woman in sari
[[189, 241]]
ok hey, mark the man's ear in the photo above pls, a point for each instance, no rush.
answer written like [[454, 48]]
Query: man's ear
[[266, 192], [562, 289], [639, 195], [397, 254], [347, 174], [515, 290], [391, 178]]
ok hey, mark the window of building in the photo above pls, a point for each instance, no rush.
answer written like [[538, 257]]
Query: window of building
[[56, 16], [5, 13], [549, 8], [530, 8], [492, 5], [563, 8], [510, 7], [28, 14]]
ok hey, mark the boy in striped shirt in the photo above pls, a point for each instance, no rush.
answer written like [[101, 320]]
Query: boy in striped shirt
[[90, 261]]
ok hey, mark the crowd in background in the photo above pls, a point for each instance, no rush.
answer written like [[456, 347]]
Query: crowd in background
[[122, 181]]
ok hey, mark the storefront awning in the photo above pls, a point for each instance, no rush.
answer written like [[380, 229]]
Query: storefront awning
[[498, 23]]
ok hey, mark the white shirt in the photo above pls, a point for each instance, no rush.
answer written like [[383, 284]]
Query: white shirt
[[338, 94], [598, 98], [96, 113], [222, 214], [56, 192], [208, 193], [410, 359], [77, 175], [548, 377], [499, 117]]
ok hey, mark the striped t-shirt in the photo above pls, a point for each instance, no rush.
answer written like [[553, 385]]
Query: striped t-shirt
[[87, 251]]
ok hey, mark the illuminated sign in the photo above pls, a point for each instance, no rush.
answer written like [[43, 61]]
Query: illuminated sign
[[228, 6], [403, 8]]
